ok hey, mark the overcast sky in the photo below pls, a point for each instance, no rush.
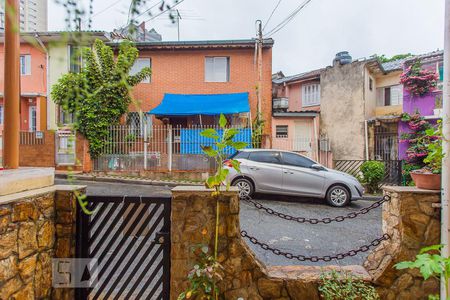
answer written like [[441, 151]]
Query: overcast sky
[[309, 41]]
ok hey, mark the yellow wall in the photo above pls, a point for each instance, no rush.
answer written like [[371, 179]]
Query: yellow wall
[[388, 79], [58, 65]]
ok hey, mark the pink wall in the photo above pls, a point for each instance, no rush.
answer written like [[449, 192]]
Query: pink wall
[[293, 91], [36, 82]]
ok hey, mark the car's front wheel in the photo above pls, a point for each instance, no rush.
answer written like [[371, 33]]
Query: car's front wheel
[[245, 187], [338, 196]]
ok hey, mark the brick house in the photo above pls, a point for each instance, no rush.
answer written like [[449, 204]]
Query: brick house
[[193, 68]]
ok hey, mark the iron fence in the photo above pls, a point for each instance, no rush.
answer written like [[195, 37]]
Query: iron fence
[[393, 169], [159, 148], [32, 138]]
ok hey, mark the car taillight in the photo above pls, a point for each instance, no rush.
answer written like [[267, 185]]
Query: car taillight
[[227, 163]]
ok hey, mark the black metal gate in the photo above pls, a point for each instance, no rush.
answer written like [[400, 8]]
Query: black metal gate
[[130, 238]]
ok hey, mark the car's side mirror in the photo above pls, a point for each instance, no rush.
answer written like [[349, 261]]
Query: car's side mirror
[[317, 167]]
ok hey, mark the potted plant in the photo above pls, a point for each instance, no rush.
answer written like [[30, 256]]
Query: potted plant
[[429, 176]]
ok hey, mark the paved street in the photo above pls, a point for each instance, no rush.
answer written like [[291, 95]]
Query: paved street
[[289, 236]]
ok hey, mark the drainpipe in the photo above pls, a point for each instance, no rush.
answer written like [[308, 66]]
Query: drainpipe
[[366, 137], [445, 192], [47, 75]]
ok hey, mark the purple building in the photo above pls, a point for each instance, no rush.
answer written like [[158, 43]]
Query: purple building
[[429, 105]]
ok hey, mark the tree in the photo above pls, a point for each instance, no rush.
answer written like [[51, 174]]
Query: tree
[[100, 94]]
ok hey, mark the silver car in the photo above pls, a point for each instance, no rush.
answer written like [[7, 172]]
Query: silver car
[[288, 173]]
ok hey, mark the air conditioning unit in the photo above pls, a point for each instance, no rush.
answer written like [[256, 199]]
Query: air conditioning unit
[[281, 104]]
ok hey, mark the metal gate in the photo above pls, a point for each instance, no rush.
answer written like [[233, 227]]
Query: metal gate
[[130, 238]]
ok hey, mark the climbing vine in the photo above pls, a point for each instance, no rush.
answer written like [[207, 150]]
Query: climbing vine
[[100, 94]]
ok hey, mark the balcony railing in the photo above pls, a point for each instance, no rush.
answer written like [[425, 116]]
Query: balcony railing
[[280, 104]]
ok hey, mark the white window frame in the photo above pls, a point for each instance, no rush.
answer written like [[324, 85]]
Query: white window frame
[[139, 64], [281, 136], [32, 118], [2, 116], [70, 63], [25, 64], [214, 72], [310, 94], [380, 97]]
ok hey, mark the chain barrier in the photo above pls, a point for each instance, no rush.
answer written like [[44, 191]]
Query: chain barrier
[[314, 221], [325, 258]]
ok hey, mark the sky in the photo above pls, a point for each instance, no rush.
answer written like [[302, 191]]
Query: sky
[[309, 41]]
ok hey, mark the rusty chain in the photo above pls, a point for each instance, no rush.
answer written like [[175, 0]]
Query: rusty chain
[[325, 258], [314, 221]]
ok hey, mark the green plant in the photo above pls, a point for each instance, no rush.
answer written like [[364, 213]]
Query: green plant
[[342, 285], [100, 94], [206, 273], [372, 175], [257, 131], [434, 148], [204, 276], [419, 81], [431, 265], [218, 151]]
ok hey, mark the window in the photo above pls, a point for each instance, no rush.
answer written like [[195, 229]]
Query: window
[[75, 59], [370, 83], [296, 160], [32, 118], [311, 94], [281, 131], [270, 157], [65, 117], [217, 69], [392, 95], [25, 64], [240, 154], [1, 114], [139, 64]]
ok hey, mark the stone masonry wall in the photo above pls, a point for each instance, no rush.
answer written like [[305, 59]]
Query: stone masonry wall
[[413, 223], [193, 210], [34, 228]]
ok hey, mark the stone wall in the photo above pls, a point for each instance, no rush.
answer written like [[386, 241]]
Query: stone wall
[[413, 223], [35, 226], [193, 210]]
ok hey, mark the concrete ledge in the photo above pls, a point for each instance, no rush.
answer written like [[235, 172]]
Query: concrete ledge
[[24, 179], [409, 189], [312, 273], [37, 192]]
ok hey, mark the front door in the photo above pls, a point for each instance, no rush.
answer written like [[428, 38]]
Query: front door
[[32, 118], [265, 168], [303, 136], [299, 177]]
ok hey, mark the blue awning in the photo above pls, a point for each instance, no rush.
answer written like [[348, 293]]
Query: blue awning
[[214, 104]]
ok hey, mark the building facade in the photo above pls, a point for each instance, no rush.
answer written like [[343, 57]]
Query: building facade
[[33, 15]]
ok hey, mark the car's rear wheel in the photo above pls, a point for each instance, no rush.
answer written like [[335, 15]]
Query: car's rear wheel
[[245, 187], [338, 196]]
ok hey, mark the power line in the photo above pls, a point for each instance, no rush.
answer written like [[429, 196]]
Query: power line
[[149, 8], [106, 8], [289, 18], [164, 11], [271, 14]]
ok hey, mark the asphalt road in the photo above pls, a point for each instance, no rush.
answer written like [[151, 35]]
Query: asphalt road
[[305, 239]]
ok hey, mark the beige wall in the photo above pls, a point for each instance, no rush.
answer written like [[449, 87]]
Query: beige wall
[[342, 109], [58, 66], [386, 80]]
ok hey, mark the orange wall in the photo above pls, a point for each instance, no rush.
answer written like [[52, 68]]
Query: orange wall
[[182, 72], [37, 81]]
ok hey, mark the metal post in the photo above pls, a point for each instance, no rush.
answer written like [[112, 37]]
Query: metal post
[[145, 145], [12, 86], [169, 148], [446, 143]]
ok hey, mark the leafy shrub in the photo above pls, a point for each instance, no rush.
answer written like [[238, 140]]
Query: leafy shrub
[[372, 175], [344, 286]]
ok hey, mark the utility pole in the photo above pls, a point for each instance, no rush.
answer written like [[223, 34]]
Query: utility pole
[[178, 23], [260, 64], [445, 215], [12, 85]]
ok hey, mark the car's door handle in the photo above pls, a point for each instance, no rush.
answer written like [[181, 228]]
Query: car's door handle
[[288, 172], [253, 168]]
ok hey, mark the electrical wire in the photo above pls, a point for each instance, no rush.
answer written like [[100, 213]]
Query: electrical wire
[[106, 8], [172, 7], [286, 21], [153, 6], [271, 14]]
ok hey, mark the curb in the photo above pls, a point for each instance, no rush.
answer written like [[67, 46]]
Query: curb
[[116, 179]]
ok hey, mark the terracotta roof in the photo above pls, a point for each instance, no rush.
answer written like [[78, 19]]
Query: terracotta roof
[[301, 76]]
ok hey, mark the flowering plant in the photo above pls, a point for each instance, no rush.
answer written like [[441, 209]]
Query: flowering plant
[[418, 81]]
